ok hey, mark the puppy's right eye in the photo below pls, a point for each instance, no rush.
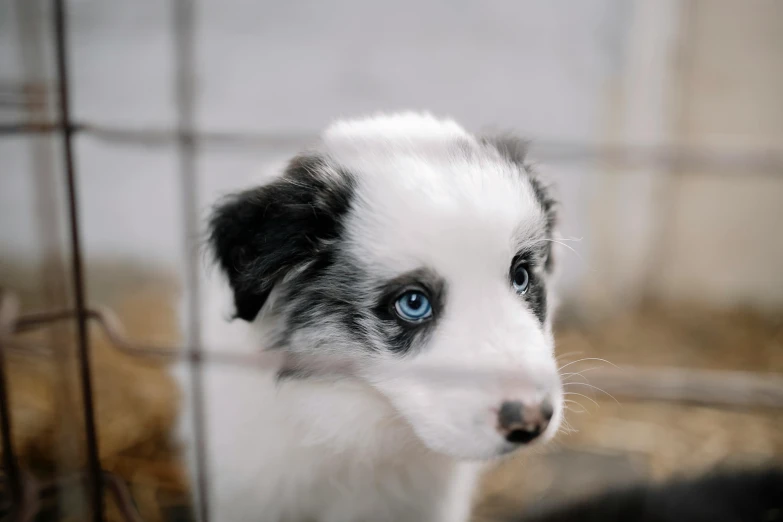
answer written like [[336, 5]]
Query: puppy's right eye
[[520, 278], [413, 306]]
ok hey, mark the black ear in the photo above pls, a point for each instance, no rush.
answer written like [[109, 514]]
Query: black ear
[[260, 235], [514, 150]]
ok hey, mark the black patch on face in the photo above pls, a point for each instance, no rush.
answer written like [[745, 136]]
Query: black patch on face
[[535, 296], [327, 291], [336, 292], [260, 235], [401, 335], [514, 150], [291, 374]]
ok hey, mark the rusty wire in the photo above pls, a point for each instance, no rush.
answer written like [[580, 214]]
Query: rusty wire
[[35, 491], [21, 97], [183, 17], [726, 389], [26, 490], [94, 473], [737, 389], [687, 159], [8, 310]]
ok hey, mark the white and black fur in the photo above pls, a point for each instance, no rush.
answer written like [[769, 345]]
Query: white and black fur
[[315, 261]]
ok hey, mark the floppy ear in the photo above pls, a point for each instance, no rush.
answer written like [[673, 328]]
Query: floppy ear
[[259, 235], [514, 150]]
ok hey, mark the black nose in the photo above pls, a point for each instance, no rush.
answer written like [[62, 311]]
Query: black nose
[[520, 424]]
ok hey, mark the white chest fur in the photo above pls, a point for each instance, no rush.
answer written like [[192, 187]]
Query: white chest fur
[[313, 451]]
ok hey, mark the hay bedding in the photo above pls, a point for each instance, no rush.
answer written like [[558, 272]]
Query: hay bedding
[[135, 405], [611, 443]]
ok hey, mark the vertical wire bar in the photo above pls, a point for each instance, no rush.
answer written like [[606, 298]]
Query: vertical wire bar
[[10, 463], [94, 477], [183, 19], [49, 208]]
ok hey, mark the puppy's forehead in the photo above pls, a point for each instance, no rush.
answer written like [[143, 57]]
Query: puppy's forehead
[[427, 192], [353, 139]]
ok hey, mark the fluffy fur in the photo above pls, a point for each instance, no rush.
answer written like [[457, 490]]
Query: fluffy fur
[[315, 261]]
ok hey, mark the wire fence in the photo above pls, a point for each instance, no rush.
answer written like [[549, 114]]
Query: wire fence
[[726, 389]]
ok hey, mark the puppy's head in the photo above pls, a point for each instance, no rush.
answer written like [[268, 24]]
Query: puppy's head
[[419, 254]]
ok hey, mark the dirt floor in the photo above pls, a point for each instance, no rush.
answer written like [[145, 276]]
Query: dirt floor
[[606, 442]]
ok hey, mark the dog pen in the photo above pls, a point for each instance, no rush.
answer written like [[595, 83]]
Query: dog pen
[[716, 388]]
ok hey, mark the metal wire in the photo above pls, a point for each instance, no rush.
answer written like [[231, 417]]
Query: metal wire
[[113, 329], [94, 473], [35, 492], [747, 390], [184, 84], [8, 311], [26, 491], [712, 387], [686, 159], [725, 389]]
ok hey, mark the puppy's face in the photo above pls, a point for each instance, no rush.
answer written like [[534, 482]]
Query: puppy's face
[[417, 255]]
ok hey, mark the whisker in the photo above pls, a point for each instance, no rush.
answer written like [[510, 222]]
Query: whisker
[[575, 379], [579, 352], [570, 401], [582, 395], [595, 388], [575, 239], [589, 359], [566, 427], [569, 247], [571, 374]]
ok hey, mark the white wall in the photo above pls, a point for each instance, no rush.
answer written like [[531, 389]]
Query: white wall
[[534, 66], [724, 231], [554, 70]]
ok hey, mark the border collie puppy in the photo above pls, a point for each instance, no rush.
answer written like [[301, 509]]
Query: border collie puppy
[[401, 268]]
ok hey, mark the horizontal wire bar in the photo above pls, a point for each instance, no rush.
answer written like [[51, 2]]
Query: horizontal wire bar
[[36, 489], [753, 161], [27, 499], [707, 387], [112, 328], [728, 388]]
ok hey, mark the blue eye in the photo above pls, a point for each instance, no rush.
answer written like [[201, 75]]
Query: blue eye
[[520, 278], [413, 306]]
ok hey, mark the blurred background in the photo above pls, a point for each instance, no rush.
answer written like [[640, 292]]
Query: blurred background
[[660, 123]]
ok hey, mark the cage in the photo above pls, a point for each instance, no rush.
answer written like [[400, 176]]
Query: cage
[[660, 123]]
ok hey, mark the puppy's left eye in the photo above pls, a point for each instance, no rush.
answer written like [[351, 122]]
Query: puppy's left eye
[[520, 278], [413, 306]]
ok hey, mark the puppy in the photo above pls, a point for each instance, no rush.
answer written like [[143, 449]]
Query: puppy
[[402, 270]]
